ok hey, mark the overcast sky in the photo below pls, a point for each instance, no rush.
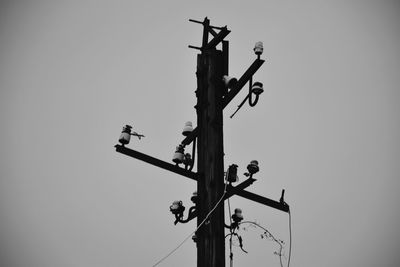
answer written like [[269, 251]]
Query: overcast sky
[[326, 129]]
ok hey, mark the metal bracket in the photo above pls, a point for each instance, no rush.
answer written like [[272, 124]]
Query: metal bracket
[[191, 215]]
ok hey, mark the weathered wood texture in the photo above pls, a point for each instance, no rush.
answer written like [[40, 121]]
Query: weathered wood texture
[[210, 185]]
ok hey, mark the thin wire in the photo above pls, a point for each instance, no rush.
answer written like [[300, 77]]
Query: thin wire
[[229, 208], [230, 240], [175, 249], [271, 235], [290, 238], [205, 219]]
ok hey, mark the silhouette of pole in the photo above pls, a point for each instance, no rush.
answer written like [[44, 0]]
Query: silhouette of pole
[[212, 98], [210, 185]]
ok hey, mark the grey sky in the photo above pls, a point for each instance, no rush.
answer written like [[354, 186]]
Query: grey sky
[[326, 129]]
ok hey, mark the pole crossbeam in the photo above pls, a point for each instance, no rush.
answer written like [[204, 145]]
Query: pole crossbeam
[[231, 190], [263, 200], [218, 37], [203, 22], [156, 162]]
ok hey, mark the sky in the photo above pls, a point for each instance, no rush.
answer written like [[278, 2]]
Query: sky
[[326, 130]]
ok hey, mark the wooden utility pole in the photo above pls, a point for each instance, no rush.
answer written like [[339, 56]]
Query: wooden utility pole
[[213, 95], [210, 185]]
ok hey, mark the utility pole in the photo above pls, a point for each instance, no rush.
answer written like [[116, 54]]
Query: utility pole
[[215, 89], [210, 186]]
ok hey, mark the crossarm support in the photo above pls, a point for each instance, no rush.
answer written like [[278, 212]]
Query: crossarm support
[[242, 81], [263, 200], [156, 162]]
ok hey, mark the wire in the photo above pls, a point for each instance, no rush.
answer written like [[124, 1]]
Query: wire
[[290, 238], [175, 249], [230, 240], [229, 208], [205, 219]]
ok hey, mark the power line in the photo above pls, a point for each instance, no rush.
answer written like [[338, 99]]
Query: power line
[[230, 240], [290, 237], [230, 213], [205, 219]]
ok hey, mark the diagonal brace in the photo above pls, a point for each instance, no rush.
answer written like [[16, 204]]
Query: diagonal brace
[[242, 81], [190, 137], [217, 39], [232, 93]]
